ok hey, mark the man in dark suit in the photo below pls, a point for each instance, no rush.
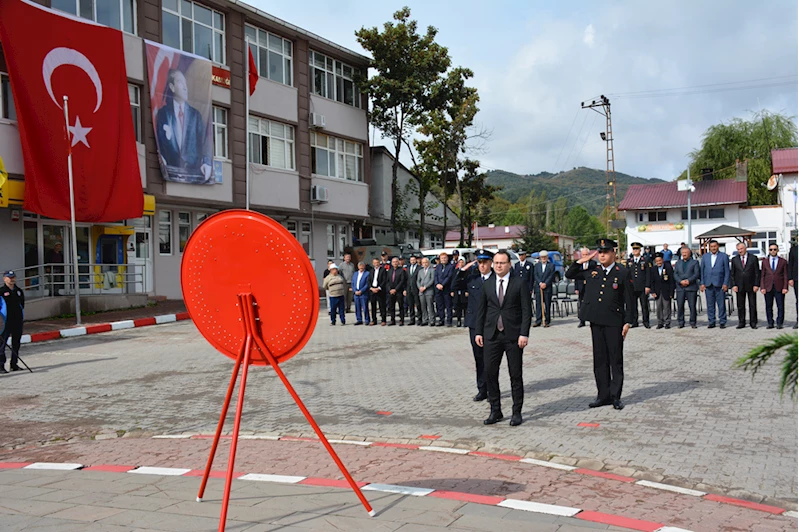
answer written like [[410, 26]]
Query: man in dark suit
[[412, 291], [476, 275], [543, 277], [397, 282], [663, 289], [608, 305], [686, 275], [774, 285], [503, 326], [641, 273], [442, 281], [745, 278], [180, 131], [792, 274], [523, 269], [377, 292], [579, 285], [715, 280]]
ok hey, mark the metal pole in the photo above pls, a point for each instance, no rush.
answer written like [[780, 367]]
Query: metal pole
[[690, 241], [72, 216], [247, 122]]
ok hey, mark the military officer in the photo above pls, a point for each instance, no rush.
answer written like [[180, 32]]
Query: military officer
[[476, 275], [641, 273], [608, 305], [524, 269]]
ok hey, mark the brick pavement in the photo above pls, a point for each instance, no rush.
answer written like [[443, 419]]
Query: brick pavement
[[154, 308], [690, 417]]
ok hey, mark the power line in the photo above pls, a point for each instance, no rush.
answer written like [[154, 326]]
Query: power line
[[577, 138], [707, 91], [625, 94], [566, 140]]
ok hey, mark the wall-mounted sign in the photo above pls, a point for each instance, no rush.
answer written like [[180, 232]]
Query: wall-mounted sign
[[220, 77], [649, 228]]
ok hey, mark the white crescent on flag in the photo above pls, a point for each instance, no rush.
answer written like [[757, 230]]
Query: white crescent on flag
[[67, 56]]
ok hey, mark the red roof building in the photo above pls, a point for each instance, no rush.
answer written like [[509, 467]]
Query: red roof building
[[785, 161], [666, 195]]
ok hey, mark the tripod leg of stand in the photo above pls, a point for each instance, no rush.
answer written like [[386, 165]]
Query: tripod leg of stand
[[236, 426], [259, 341], [24, 364], [222, 417]]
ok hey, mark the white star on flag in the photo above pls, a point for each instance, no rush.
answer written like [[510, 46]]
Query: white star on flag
[[79, 133]]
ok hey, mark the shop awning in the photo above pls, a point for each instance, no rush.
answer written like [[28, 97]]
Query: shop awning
[[13, 193]]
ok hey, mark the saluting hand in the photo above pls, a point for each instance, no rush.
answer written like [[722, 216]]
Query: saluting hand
[[591, 255]]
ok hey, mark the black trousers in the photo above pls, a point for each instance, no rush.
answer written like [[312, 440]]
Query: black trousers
[[771, 296], [393, 299], [547, 308], [459, 304], [492, 352], [377, 299], [682, 295], [443, 303], [580, 306], [743, 294], [608, 361], [14, 331], [642, 298], [414, 304], [479, 363]]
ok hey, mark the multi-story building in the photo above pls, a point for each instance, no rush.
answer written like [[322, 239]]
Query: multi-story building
[[309, 158]]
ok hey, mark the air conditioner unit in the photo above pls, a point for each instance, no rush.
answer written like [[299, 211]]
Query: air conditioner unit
[[317, 120], [319, 194]]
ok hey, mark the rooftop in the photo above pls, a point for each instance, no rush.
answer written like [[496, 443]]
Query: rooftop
[[666, 195], [497, 232], [784, 161]]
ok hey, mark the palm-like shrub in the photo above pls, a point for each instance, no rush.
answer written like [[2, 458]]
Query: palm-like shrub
[[758, 356]]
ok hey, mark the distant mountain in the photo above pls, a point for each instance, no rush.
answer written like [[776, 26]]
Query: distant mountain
[[583, 186]]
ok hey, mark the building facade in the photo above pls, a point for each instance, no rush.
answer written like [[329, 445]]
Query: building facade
[[309, 158], [503, 236]]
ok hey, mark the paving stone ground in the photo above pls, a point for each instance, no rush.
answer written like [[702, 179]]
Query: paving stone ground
[[689, 415]]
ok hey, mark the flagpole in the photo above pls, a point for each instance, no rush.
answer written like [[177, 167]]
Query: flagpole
[[247, 122], [72, 214]]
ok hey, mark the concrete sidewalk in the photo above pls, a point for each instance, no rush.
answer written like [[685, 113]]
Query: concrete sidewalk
[[92, 500]]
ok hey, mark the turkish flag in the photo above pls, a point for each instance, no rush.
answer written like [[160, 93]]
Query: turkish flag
[[50, 56], [253, 74]]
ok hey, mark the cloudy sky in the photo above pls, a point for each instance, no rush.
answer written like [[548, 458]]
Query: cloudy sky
[[534, 62]]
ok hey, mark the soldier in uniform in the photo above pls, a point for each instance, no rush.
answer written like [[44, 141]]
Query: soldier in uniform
[[608, 305], [14, 301], [641, 273], [523, 269], [579, 285], [476, 274]]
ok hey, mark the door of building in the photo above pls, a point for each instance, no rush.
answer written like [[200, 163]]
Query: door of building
[[141, 257]]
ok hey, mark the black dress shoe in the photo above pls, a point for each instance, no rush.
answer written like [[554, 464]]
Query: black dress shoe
[[493, 417], [680, 326], [449, 324], [633, 326], [668, 326], [440, 324], [420, 324], [16, 368], [693, 326], [741, 325], [722, 325], [660, 326], [711, 325], [779, 326], [402, 323], [770, 326], [393, 323], [482, 396], [647, 325], [618, 405], [536, 325], [754, 325], [581, 324], [412, 322], [598, 403], [3, 370], [515, 420]]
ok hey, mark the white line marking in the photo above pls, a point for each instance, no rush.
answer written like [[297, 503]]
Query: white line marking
[[444, 449], [540, 508], [668, 487], [791, 513], [284, 479], [172, 436], [350, 442], [404, 490], [543, 463], [127, 324], [26, 339], [671, 529], [166, 471], [77, 331], [51, 465], [166, 318], [257, 437]]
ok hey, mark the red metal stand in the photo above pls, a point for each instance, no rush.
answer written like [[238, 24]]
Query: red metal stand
[[247, 307]]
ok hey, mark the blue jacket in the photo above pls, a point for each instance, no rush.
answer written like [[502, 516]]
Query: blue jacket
[[718, 275], [474, 288], [365, 282], [687, 270], [444, 275]]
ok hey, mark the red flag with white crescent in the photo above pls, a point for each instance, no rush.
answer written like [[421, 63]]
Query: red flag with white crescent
[[50, 56]]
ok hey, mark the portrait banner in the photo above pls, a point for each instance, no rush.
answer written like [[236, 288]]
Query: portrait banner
[[182, 113]]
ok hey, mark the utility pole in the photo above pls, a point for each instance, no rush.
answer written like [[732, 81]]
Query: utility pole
[[602, 106]]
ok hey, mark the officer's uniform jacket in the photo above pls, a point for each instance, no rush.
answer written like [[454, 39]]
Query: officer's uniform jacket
[[641, 273], [608, 298]]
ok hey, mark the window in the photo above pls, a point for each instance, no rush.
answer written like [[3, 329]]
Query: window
[[135, 108], [165, 232], [336, 157], [7, 109], [271, 143], [272, 54], [342, 239], [193, 28], [657, 216], [201, 216], [184, 229], [220, 132], [715, 213], [119, 14], [764, 240], [333, 79], [331, 241], [305, 237], [291, 227]]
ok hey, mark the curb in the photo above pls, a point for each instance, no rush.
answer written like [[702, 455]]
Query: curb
[[514, 504], [102, 327]]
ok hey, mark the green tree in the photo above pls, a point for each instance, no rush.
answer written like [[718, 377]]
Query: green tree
[[752, 140], [758, 356], [514, 216], [408, 69], [586, 229], [557, 219], [474, 191], [533, 238]]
